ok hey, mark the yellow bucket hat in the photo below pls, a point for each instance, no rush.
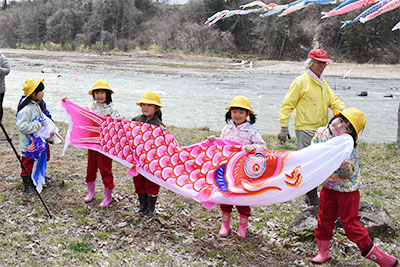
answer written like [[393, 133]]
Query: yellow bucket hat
[[150, 97], [100, 84], [355, 117], [240, 102], [30, 86]]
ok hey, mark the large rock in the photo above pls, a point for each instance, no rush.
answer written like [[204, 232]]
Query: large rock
[[362, 93], [376, 219], [305, 221]]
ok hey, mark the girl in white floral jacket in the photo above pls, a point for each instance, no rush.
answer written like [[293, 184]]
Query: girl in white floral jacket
[[102, 105]]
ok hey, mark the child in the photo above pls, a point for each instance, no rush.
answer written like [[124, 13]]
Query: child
[[31, 119], [340, 195], [147, 190], [102, 105], [239, 129]]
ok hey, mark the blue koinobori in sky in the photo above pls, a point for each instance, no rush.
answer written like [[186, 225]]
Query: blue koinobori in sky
[[379, 7]]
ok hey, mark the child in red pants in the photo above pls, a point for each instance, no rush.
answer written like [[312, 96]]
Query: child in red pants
[[340, 195], [239, 129], [102, 105], [147, 190]]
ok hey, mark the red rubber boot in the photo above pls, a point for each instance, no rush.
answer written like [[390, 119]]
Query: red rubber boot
[[107, 198], [226, 219], [377, 255], [91, 187], [243, 221], [323, 252]]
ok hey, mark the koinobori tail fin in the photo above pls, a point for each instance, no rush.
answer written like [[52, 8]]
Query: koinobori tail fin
[[84, 126]]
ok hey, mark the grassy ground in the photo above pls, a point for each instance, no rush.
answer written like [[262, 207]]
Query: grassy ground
[[182, 233]]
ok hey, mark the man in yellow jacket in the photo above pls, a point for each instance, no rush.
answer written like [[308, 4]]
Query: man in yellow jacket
[[312, 97]]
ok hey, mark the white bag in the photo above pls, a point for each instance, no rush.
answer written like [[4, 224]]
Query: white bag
[[48, 127]]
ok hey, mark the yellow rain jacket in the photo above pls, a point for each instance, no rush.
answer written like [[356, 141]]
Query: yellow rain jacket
[[311, 103]]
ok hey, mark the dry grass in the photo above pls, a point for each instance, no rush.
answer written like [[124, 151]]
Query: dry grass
[[183, 233]]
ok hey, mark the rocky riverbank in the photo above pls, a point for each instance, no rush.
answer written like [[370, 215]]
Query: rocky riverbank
[[54, 60]]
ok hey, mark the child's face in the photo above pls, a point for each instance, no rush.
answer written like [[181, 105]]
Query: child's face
[[339, 126], [38, 96], [148, 110], [100, 96], [239, 115]]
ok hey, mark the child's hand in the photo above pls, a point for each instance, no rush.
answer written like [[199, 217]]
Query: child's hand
[[211, 138], [344, 165], [163, 128], [249, 148], [52, 133]]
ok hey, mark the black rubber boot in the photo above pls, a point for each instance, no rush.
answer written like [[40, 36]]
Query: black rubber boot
[[312, 197], [28, 184], [142, 203], [151, 203]]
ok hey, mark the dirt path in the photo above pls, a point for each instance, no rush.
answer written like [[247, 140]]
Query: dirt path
[[373, 71]]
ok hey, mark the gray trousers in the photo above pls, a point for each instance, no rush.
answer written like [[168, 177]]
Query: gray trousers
[[1, 105], [304, 140]]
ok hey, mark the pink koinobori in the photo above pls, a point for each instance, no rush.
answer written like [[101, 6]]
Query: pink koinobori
[[210, 172]]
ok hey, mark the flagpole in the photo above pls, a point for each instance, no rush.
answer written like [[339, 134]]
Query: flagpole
[[23, 166]]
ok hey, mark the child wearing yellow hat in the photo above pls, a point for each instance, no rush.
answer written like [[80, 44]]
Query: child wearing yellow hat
[[340, 195], [146, 190], [102, 104], [31, 119], [240, 129]]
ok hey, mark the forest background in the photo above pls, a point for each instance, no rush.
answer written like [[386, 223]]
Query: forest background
[[127, 25]]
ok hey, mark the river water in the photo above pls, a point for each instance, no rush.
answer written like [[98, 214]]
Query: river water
[[194, 92]]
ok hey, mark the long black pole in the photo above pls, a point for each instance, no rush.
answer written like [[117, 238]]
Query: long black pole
[[23, 166]]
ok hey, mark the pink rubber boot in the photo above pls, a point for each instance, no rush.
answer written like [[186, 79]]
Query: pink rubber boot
[[377, 255], [226, 219], [242, 226], [90, 186], [323, 252], [107, 198]]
